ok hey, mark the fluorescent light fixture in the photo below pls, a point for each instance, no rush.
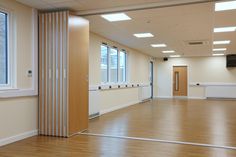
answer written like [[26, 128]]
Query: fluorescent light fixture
[[221, 6], [158, 45], [169, 51], [143, 35], [225, 29], [218, 54], [221, 42], [116, 17], [174, 56], [220, 49]]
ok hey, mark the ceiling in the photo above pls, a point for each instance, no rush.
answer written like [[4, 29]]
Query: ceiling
[[174, 26], [81, 5]]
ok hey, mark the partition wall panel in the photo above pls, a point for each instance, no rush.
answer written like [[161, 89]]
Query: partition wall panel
[[63, 92]]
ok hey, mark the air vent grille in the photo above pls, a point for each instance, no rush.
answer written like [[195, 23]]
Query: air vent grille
[[196, 43]]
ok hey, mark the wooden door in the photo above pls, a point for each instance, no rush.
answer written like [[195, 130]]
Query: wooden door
[[78, 74], [180, 81], [63, 74]]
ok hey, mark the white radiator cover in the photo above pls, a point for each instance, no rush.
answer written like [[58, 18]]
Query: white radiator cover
[[144, 92], [94, 102], [221, 91]]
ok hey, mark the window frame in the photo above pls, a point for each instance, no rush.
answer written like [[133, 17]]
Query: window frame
[[118, 64], [8, 53], [12, 91], [107, 70], [126, 67]]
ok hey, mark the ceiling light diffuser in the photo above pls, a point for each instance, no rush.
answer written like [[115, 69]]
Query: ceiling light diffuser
[[225, 29], [116, 17], [169, 51], [175, 56], [220, 49], [221, 6], [221, 42], [143, 35], [218, 54], [158, 45]]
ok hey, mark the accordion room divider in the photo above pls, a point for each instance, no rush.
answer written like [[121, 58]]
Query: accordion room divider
[[63, 73]]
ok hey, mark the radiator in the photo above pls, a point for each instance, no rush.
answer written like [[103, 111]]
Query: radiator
[[94, 103], [144, 92], [221, 91]]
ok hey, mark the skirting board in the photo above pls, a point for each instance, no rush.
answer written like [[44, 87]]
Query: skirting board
[[118, 107], [170, 97], [202, 98], [18, 137], [163, 97]]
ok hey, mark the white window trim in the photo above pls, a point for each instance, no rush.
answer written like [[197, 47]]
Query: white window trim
[[13, 91], [102, 44], [109, 78], [126, 67], [10, 52]]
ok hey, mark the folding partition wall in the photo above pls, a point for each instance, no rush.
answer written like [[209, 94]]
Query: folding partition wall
[[63, 73]]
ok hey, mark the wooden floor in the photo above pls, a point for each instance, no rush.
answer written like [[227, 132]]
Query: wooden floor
[[200, 121], [88, 146]]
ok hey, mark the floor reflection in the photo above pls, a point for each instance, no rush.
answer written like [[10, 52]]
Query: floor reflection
[[198, 121]]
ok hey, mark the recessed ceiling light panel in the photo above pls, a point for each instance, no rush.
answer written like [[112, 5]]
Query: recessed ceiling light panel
[[221, 42], [221, 6], [158, 45], [175, 56], [218, 54], [143, 35], [168, 51], [225, 29], [116, 17], [220, 49]]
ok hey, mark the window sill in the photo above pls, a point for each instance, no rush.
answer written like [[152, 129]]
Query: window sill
[[112, 86], [111, 83], [11, 93], [3, 89]]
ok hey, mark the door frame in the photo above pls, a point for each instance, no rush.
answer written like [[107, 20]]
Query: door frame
[[172, 68], [151, 78]]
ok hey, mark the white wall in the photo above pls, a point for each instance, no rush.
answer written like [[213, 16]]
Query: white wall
[[138, 72], [20, 115], [200, 69], [17, 116]]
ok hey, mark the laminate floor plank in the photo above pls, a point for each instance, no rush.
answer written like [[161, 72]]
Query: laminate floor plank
[[90, 146], [198, 121]]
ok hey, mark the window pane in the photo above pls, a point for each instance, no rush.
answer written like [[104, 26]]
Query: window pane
[[113, 65], [123, 66], [3, 48], [104, 63]]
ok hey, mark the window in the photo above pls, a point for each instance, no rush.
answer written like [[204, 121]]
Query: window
[[113, 65], [104, 63], [123, 65], [113, 58], [3, 49]]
